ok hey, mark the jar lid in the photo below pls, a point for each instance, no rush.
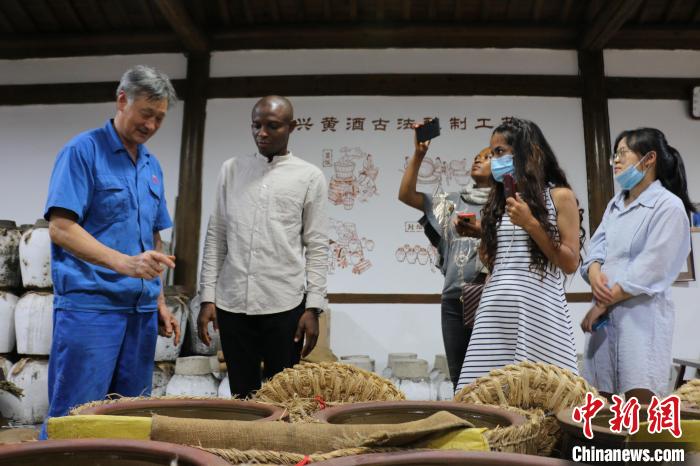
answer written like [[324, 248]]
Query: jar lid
[[7, 224], [193, 365]]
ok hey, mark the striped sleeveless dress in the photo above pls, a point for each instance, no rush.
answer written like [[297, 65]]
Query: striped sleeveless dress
[[522, 315]]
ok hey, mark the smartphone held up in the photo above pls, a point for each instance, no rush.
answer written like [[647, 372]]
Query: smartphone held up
[[428, 131]]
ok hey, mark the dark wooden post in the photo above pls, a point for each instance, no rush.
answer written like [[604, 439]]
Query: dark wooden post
[[596, 133], [188, 211]]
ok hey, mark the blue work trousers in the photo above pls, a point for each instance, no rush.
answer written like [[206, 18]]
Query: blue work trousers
[[94, 354]]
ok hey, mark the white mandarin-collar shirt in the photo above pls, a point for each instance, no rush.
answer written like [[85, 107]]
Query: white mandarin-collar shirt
[[267, 239]]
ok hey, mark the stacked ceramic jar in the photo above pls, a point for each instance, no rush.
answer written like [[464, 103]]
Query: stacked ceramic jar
[[411, 375], [166, 349], [27, 321], [196, 347]]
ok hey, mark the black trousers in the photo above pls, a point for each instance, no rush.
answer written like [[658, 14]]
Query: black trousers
[[455, 336], [248, 340]]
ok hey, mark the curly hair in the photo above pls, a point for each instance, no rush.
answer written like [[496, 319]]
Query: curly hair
[[536, 169]]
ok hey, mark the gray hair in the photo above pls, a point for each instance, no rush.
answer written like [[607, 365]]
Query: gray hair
[[142, 80]]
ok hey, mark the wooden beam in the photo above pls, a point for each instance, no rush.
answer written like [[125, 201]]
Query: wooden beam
[[327, 11], [379, 5], [457, 15], [72, 45], [20, 18], [274, 9], [5, 24], [596, 134], [187, 32], [395, 84], [650, 88], [90, 14], [67, 93], [381, 298], [406, 10], [566, 86], [671, 10], [445, 35], [188, 210], [607, 22], [537, 8], [224, 12], [669, 38], [566, 11], [247, 11], [353, 10]]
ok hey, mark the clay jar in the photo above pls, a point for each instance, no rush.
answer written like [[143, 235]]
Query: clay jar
[[35, 256], [394, 412], [10, 237], [445, 457], [106, 452], [231, 410]]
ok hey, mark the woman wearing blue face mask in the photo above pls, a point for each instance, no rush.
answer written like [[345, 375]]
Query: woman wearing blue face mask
[[635, 255], [529, 241], [457, 242]]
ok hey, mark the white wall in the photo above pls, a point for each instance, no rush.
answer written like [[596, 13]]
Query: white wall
[[372, 61]]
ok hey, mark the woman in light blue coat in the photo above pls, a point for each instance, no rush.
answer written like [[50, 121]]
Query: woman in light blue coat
[[635, 255]]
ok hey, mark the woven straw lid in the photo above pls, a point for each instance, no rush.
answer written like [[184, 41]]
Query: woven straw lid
[[529, 386], [690, 393], [333, 381], [307, 387]]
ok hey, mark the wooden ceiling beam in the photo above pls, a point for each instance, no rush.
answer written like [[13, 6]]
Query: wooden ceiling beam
[[191, 36], [89, 13], [327, 10], [566, 10], [20, 18], [537, 8], [224, 12], [457, 15], [607, 22], [64, 45], [447, 35], [406, 10], [67, 93], [656, 38], [695, 17], [274, 8], [5, 24], [671, 10], [379, 5], [64, 11]]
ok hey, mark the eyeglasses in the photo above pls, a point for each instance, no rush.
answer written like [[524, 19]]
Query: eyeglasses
[[620, 155]]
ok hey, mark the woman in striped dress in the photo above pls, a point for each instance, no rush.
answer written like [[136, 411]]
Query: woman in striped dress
[[528, 242]]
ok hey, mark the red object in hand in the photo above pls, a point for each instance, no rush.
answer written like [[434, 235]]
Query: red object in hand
[[508, 186], [468, 216]]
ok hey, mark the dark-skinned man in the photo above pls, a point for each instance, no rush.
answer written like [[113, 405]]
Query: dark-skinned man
[[263, 280], [106, 208]]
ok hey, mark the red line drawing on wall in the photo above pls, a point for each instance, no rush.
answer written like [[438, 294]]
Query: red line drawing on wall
[[443, 172], [354, 176], [347, 249], [417, 254]]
